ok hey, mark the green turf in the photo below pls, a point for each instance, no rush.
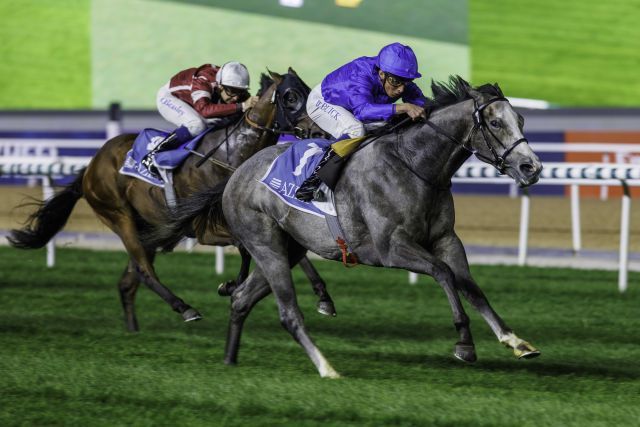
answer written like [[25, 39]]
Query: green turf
[[578, 52], [65, 358], [44, 54]]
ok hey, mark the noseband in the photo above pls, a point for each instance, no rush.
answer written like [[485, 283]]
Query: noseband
[[286, 114], [479, 124]]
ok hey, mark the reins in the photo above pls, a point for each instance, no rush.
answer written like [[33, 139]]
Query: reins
[[386, 131], [297, 131], [480, 124], [211, 152]]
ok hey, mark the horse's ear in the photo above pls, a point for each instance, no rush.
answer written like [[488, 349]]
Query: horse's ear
[[275, 76], [477, 96], [520, 121], [292, 71]]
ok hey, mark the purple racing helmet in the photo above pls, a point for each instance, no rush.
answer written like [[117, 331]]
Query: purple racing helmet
[[399, 60]]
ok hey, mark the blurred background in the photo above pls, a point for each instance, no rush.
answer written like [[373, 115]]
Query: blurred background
[[570, 67]]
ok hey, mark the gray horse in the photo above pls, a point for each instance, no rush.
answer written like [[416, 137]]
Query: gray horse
[[395, 205]]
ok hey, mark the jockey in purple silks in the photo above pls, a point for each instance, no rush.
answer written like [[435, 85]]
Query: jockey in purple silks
[[361, 91]]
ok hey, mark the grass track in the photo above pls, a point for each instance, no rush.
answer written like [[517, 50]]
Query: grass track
[[65, 358]]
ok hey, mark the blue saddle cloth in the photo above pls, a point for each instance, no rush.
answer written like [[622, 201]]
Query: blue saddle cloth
[[291, 168], [170, 159]]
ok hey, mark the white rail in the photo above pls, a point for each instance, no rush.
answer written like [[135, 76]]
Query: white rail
[[574, 174], [17, 159]]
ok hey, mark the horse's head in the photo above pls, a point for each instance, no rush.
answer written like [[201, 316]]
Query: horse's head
[[282, 106], [496, 136]]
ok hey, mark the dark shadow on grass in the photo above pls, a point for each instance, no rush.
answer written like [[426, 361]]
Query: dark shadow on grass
[[537, 367]]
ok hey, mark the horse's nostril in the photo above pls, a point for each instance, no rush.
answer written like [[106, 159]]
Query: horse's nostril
[[527, 169]]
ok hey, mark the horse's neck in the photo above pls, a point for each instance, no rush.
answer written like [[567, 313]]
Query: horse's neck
[[431, 155], [234, 144]]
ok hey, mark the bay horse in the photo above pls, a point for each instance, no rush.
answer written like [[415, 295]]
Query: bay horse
[[128, 206], [394, 203]]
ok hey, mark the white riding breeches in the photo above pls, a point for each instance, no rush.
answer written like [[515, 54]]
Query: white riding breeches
[[178, 112], [331, 118]]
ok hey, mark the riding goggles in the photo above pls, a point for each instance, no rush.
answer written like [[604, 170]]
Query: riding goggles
[[234, 92], [395, 81]]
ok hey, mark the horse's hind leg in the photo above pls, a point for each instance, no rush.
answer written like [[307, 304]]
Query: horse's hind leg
[[245, 297], [124, 226], [325, 303], [450, 250], [274, 262], [226, 289]]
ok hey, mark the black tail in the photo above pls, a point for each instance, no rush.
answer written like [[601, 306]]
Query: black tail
[[49, 219], [197, 212]]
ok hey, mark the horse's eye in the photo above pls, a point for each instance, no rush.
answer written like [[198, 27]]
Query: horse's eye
[[495, 123], [291, 98]]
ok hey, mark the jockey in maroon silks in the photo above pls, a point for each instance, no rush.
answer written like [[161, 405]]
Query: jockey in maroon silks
[[361, 91], [197, 98]]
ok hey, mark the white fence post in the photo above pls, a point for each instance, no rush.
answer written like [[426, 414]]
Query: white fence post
[[604, 189], [189, 244], [219, 260], [575, 219], [524, 228], [114, 127], [624, 238], [47, 192], [413, 278]]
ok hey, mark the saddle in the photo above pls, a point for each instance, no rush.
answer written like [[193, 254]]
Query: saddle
[[330, 171]]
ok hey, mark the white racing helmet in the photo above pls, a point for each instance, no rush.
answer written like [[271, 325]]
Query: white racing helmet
[[233, 74]]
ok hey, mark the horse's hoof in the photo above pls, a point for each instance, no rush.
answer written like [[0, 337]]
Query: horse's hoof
[[333, 376], [191, 314], [230, 362], [525, 350], [327, 308], [465, 352], [226, 289]]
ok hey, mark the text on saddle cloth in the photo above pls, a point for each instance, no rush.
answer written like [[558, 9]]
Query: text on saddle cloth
[[287, 173], [291, 168], [146, 141]]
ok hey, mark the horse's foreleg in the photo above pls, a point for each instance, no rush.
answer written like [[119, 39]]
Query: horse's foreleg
[[451, 251], [325, 303], [401, 252]]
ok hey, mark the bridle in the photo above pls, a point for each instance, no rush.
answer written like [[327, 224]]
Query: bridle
[[277, 98], [480, 124]]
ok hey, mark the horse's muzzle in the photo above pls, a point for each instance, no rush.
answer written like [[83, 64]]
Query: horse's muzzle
[[529, 173]]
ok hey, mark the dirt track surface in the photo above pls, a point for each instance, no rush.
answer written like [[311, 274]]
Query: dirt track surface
[[480, 220]]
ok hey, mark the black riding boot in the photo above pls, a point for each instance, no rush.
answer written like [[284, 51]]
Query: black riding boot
[[173, 140], [311, 184]]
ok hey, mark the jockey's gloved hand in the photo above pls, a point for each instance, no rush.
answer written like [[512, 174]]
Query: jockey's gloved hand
[[249, 103], [412, 110]]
